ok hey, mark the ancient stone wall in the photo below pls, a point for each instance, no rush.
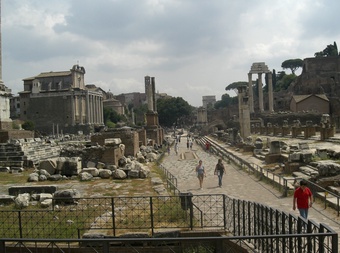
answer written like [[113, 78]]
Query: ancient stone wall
[[15, 134], [129, 138]]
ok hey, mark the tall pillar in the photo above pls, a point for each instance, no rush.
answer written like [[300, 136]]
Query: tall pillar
[[101, 110], [73, 112], [94, 113], [5, 121], [87, 104], [270, 92], [244, 113], [148, 93], [153, 90], [96, 109], [91, 109], [260, 92], [251, 95]]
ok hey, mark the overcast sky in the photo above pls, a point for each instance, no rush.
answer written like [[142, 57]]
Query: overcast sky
[[192, 47]]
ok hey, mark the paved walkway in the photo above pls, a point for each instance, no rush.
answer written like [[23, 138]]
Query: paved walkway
[[236, 183]]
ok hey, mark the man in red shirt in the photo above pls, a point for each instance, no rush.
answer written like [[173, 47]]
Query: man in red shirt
[[303, 199]]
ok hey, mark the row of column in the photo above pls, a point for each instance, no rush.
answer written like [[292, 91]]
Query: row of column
[[87, 109], [260, 90]]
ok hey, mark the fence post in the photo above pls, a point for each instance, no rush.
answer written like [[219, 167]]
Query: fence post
[[191, 214], [285, 186], [224, 214], [151, 217], [113, 216], [2, 247], [20, 224]]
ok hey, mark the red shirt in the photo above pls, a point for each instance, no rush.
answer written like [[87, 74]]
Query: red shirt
[[302, 197]]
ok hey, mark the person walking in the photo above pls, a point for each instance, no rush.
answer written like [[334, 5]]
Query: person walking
[[200, 173], [176, 148], [303, 199], [219, 171]]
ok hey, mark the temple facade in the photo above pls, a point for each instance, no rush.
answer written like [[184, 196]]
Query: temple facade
[[59, 102]]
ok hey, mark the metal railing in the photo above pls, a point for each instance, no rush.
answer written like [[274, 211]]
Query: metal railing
[[283, 183], [262, 227]]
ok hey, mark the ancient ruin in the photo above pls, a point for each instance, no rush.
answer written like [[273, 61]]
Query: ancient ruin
[[68, 103], [153, 130], [260, 68]]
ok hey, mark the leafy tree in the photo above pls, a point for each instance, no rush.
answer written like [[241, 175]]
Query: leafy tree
[[234, 85], [284, 81], [225, 101], [140, 114], [110, 124], [112, 116], [280, 75], [28, 125], [172, 111], [292, 64], [330, 50]]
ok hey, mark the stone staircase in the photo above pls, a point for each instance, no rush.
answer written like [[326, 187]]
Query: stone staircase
[[26, 152]]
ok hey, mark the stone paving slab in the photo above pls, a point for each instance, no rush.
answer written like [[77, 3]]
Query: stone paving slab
[[237, 183]]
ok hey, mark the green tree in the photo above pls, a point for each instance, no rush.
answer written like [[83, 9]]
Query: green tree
[[225, 101], [234, 85], [172, 111], [112, 116], [284, 81], [330, 50], [292, 64], [140, 114], [28, 125]]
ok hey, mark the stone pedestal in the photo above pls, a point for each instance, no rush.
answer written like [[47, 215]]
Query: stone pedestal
[[326, 133], [309, 132], [277, 131], [269, 130], [285, 131], [152, 119], [296, 131]]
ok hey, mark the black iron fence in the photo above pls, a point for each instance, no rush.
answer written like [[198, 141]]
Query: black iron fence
[[262, 227]]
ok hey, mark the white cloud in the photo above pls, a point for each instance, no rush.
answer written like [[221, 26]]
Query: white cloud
[[193, 48]]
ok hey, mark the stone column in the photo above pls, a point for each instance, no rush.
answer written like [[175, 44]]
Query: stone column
[[153, 90], [251, 95], [270, 92], [97, 109], [148, 93], [87, 104], [75, 109], [260, 92], [101, 110], [95, 112], [91, 109], [72, 109], [244, 113]]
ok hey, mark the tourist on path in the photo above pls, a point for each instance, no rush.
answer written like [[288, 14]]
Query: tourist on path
[[200, 173], [176, 148], [219, 171], [303, 199]]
